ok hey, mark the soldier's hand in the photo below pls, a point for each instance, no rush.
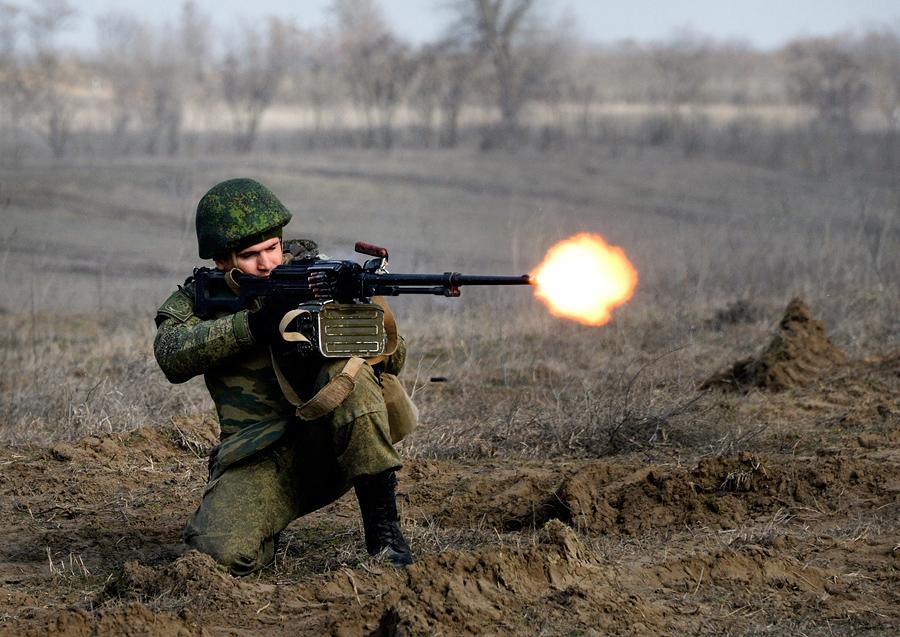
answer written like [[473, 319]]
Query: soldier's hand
[[264, 321]]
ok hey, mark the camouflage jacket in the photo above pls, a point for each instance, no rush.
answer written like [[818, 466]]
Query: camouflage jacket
[[252, 410]]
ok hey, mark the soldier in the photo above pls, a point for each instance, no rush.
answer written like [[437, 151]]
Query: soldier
[[270, 467]]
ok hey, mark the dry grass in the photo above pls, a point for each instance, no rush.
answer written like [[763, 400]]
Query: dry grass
[[67, 377], [91, 248]]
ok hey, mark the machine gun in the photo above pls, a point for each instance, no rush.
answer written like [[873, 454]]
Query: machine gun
[[348, 323]]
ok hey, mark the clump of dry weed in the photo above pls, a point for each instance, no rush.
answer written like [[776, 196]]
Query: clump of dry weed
[[67, 377]]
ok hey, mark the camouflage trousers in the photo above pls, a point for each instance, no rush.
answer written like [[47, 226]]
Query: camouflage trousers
[[314, 463]]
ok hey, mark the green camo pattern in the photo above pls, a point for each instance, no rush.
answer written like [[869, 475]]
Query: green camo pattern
[[269, 467], [251, 408], [246, 504], [252, 411], [237, 213], [186, 345]]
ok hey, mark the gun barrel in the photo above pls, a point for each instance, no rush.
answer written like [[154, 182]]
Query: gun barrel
[[489, 279], [447, 278], [446, 284]]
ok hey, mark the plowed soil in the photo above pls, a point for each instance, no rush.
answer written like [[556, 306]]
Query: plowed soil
[[799, 533], [726, 544]]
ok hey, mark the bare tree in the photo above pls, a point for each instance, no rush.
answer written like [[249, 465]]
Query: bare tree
[[51, 102], [520, 52], [195, 46], [826, 77], [425, 92], [582, 89], [13, 89], [253, 68], [163, 110], [145, 73], [879, 52], [680, 63], [681, 66], [123, 46], [453, 72], [378, 67], [9, 29], [442, 80], [320, 79], [194, 43]]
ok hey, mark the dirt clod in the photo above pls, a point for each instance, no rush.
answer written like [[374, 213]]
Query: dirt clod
[[560, 535], [190, 579]]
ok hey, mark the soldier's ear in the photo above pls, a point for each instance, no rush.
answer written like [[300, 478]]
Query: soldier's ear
[[225, 264]]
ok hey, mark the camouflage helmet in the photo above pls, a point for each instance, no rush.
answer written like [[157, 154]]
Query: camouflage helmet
[[237, 213]]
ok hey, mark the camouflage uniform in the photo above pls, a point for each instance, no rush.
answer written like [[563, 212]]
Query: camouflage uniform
[[270, 467]]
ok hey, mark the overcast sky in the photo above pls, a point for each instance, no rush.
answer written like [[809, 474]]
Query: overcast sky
[[763, 23]]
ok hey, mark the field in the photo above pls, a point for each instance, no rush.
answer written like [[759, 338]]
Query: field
[[565, 479]]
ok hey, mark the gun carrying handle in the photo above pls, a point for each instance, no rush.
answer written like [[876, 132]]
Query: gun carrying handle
[[372, 250], [291, 337]]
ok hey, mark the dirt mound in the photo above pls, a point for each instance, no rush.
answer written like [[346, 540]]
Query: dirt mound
[[193, 579], [133, 620], [751, 565], [494, 496], [145, 600], [718, 492], [498, 592], [799, 353], [647, 499], [195, 435], [616, 498]]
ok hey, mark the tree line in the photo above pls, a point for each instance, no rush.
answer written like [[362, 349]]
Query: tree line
[[505, 73]]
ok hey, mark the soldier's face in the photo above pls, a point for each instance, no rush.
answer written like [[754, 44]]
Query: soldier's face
[[256, 260]]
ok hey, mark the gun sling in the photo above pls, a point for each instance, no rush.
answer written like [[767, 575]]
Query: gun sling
[[326, 399]]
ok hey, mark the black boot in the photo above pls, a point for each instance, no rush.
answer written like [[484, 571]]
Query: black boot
[[378, 504]]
